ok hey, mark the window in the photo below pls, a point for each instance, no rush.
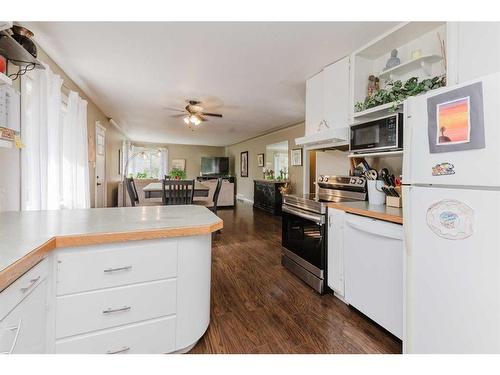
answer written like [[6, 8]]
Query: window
[[148, 163]]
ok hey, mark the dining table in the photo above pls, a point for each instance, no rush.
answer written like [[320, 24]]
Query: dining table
[[155, 190]]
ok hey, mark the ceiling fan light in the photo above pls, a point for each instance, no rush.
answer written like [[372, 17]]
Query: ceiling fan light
[[195, 120], [186, 120]]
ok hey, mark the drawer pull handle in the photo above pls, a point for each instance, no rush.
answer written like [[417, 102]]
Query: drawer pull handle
[[122, 350], [121, 309], [109, 270], [32, 282]]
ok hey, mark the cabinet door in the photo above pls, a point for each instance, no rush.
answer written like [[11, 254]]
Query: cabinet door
[[335, 271], [336, 94], [23, 331], [475, 51], [314, 103]]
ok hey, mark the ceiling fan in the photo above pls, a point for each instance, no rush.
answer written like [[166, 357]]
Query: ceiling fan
[[193, 114]]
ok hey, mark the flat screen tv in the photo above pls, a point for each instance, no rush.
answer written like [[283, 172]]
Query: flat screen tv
[[215, 166]]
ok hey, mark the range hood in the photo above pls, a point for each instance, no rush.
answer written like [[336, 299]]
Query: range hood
[[327, 138]]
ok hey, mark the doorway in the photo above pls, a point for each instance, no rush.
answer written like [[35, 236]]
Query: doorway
[[100, 165]]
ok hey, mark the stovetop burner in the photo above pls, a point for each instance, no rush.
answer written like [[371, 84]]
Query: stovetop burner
[[330, 189]]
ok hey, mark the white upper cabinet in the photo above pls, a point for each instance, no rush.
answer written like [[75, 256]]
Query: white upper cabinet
[[474, 50], [314, 103], [327, 98], [336, 108]]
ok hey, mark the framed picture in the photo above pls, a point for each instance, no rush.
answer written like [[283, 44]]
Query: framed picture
[[179, 164], [260, 160], [455, 120], [296, 157], [244, 164]]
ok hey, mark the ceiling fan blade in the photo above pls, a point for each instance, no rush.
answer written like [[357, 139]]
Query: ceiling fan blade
[[173, 109], [211, 114], [179, 115]]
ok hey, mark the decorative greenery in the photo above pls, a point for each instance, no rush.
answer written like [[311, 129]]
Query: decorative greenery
[[396, 92], [177, 174], [141, 175]]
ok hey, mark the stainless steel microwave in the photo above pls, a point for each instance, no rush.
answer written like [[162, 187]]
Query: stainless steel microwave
[[383, 134]]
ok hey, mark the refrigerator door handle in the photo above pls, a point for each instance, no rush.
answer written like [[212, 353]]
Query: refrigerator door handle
[[376, 229]]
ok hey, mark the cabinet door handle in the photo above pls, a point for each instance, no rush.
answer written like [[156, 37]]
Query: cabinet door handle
[[16, 329], [122, 350], [121, 309], [32, 282], [110, 270]]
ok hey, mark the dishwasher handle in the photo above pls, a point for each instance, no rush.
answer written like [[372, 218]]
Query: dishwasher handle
[[376, 228]]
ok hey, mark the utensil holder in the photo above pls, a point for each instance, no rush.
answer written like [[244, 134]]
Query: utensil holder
[[375, 193]]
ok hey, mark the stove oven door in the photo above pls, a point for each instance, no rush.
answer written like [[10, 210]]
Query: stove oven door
[[304, 236]]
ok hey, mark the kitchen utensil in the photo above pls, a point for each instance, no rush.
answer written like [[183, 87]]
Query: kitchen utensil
[[371, 174], [375, 192], [384, 175]]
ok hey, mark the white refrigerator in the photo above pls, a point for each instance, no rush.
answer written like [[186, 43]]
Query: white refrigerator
[[451, 195]]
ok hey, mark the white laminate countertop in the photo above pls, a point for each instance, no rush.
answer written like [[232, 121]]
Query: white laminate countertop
[[22, 232]]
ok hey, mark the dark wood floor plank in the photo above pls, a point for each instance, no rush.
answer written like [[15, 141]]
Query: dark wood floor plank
[[260, 307]]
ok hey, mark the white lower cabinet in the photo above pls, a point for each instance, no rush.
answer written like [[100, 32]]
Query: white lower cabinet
[[92, 311], [24, 328], [150, 337], [150, 296], [335, 255]]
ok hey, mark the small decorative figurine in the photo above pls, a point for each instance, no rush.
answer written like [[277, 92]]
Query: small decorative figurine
[[373, 85], [393, 60]]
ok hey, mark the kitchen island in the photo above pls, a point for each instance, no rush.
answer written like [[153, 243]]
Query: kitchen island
[[115, 280]]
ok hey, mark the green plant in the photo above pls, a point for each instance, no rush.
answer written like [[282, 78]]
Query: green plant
[[177, 174], [141, 175], [397, 91]]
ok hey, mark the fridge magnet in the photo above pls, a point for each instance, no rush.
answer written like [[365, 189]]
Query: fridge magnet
[[456, 120], [443, 169], [450, 219]]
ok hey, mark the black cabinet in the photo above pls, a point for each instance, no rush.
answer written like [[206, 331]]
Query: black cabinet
[[267, 196]]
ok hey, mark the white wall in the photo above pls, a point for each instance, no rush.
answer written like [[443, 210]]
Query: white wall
[[10, 179], [332, 163]]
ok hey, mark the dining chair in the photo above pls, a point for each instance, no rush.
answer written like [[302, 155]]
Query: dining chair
[[132, 191], [212, 205], [177, 191]]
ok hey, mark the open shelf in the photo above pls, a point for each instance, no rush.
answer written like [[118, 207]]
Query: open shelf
[[422, 62], [4, 80], [378, 111], [16, 53]]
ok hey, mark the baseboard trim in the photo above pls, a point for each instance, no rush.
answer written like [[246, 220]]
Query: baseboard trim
[[243, 199]]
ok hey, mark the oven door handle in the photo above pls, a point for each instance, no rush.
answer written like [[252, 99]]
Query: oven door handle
[[318, 219]]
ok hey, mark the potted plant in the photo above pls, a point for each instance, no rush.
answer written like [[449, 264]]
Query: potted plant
[[177, 174]]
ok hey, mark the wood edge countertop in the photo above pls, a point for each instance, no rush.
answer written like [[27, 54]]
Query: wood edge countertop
[[382, 212], [24, 264]]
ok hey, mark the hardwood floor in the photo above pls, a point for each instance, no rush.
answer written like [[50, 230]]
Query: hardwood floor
[[260, 307]]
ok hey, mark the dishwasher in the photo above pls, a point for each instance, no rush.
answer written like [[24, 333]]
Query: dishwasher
[[373, 256]]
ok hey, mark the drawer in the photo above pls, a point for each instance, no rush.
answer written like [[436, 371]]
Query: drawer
[[22, 287], [92, 311], [150, 337], [105, 266]]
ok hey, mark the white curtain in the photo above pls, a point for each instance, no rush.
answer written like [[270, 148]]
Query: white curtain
[[75, 170], [41, 131], [54, 161]]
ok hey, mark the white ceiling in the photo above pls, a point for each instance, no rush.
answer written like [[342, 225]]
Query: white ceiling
[[253, 73]]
